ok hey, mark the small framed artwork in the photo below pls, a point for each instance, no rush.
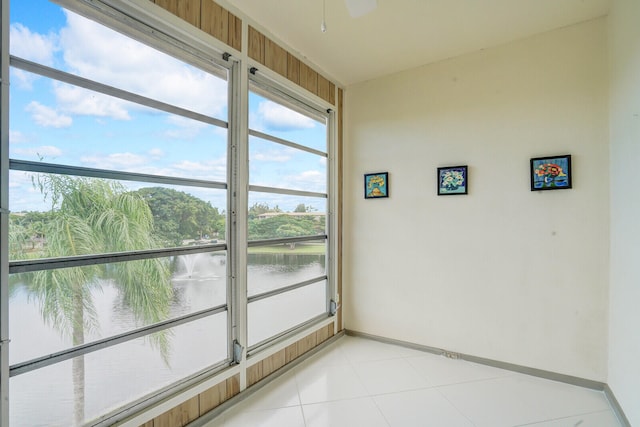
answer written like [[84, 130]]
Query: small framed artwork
[[452, 180], [376, 185], [551, 173]]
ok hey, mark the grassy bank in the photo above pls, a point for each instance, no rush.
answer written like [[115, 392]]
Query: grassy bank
[[300, 248]]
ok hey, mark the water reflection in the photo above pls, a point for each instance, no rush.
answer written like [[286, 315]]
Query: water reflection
[[136, 368], [267, 272]]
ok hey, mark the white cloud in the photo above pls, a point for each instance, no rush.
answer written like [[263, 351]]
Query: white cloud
[[22, 79], [19, 179], [32, 46], [35, 47], [23, 196], [311, 180], [17, 137], [41, 152], [211, 169], [271, 157], [184, 128], [156, 153], [98, 53], [115, 161], [80, 101], [278, 117], [191, 166], [200, 166], [47, 116]]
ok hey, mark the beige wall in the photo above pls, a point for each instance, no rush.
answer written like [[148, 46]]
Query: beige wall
[[624, 359], [503, 273]]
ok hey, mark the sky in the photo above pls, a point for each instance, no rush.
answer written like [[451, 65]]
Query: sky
[[54, 122]]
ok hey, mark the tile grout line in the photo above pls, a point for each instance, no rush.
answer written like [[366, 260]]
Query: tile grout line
[[300, 405], [454, 406]]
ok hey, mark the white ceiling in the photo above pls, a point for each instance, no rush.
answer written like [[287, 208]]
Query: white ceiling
[[403, 34]]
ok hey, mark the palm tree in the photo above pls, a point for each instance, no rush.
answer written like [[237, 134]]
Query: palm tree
[[93, 216]]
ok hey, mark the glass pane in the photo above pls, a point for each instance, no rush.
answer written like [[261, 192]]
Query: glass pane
[[277, 266], [77, 45], [58, 123], [274, 216], [270, 316], [276, 165], [275, 119], [116, 375], [114, 297], [55, 215]]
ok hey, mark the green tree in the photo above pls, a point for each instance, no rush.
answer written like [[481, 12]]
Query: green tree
[[18, 237], [281, 226], [92, 216], [304, 208], [260, 208], [32, 224], [179, 216]]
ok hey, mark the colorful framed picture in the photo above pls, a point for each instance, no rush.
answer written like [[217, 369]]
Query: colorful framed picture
[[376, 185], [551, 173], [452, 180]]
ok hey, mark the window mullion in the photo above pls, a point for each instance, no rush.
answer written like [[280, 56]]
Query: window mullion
[[238, 207], [4, 212]]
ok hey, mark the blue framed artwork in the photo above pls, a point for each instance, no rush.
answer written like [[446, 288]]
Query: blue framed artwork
[[452, 180], [376, 185], [551, 173]]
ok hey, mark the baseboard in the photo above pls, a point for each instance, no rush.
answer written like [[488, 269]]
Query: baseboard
[[554, 376], [622, 417]]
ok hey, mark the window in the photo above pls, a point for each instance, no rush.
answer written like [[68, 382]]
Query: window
[[124, 258], [119, 197], [287, 218]]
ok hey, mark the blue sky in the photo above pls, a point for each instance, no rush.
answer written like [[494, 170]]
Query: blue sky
[[58, 123]]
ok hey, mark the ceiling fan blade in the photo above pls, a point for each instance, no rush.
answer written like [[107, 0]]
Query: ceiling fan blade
[[359, 8]]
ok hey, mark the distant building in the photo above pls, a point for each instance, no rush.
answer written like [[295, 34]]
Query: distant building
[[315, 215]]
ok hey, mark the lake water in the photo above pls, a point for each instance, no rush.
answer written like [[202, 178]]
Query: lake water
[[128, 371]]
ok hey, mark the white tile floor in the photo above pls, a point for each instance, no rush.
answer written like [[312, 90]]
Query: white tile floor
[[358, 382]]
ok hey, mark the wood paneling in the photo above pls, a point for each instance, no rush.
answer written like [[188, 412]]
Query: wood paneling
[[323, 334], [235, 32], [189, 10], [290, 353], [211, 398], [273, 363], [147, 424], [209, 16], [233, 386], [254, 373], [293, 68], [215, 20], [218, 394], [307, 343], [308, 78], [179, 416], [256, 45], [275, 57], [323, 87], [332, 93]]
